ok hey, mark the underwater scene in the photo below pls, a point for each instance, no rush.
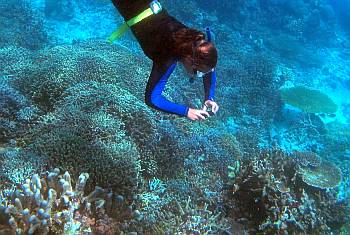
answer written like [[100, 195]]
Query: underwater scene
[[143, 117]]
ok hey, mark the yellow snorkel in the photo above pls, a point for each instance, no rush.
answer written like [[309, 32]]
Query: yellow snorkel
[[154, 8]]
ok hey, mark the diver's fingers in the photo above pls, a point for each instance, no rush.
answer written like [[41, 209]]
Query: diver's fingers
[[215, 108], [200, 117], [194, 118], [203, 115]]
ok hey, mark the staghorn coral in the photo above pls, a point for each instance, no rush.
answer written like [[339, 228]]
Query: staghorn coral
[[188, 217], [51, 205], [190, 203], [200, 220]]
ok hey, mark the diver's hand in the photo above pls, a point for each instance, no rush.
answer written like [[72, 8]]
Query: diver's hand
[[197, 114], [212, 105]]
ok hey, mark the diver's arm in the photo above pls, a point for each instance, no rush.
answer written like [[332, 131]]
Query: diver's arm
[[209, 82], [155, 86]]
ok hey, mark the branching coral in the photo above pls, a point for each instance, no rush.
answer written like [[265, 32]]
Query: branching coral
[[200, 220], [190, 204], [190, 218], [51, 205], [17, 165], [269, 196]]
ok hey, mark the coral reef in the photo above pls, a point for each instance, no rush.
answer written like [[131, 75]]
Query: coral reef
[[96, 67], [295, 130], [251, 96], [200, 220], [189, 204], [21, 26], [51, 205], [63, 66], [310, 101], [18, 165], [324, 175], [93, 142], [16, 112], [268, 195], [80, 107]]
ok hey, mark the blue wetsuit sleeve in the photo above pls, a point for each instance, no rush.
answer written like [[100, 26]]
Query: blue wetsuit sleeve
[[155, 86], [209, 81]]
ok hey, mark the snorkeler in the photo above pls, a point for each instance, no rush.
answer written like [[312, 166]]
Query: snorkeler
[[166, 42]]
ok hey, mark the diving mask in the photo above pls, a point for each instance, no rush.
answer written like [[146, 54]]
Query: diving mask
[[200, 74]]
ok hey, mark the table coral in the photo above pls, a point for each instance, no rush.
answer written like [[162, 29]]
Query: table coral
[[325, 175], [310, 101]]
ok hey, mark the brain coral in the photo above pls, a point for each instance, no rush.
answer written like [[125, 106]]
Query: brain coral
[[310, 101]]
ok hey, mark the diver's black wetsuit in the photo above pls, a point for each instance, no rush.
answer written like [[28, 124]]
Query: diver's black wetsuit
[[154, 35]]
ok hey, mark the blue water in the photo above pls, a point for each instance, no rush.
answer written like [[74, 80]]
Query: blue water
[[342, 9], [274, 159]]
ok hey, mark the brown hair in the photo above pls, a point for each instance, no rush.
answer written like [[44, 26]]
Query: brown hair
[[205, 54], [186, 45]]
